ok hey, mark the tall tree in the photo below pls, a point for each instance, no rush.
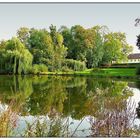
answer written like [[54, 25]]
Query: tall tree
[[116, 48], [60, 51], [96, 51], [19, 57], [138, 41], [23, 34], [40, 45], [84, 44], [68, 42]]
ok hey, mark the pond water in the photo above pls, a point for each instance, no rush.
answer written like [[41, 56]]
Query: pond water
[[67, 106]]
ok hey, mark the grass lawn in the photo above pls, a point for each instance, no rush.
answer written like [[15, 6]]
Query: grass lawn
[[110, 72], [101, 72]]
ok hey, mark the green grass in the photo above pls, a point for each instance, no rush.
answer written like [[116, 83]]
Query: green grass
[[100, 72]]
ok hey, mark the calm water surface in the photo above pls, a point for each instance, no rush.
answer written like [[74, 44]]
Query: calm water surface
[[65, 106]]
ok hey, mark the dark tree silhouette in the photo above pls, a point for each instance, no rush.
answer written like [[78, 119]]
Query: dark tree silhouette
[[137, 20], [138, 41], [137, 23]]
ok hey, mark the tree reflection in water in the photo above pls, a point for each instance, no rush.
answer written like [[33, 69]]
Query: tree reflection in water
[[53, 100]]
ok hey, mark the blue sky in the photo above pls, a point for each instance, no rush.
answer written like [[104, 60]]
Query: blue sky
[[118, 17]]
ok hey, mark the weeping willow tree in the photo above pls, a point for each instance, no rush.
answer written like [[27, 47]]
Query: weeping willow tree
[[20, 59], [2, 55]]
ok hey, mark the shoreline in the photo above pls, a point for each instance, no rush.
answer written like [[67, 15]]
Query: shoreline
[[91, 75], [118, 73]]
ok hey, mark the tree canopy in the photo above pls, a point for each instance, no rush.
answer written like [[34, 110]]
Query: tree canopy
[[74, 48], [16, 58]]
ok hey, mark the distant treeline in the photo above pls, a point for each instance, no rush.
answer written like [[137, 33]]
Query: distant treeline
[[66, 49]]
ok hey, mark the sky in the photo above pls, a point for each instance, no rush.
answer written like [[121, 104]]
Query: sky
[[118, 17]]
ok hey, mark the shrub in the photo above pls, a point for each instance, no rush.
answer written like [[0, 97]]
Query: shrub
[[42, 68], [138, 70], [34, 69], [74, 64], [66, 69], [96, 70], [37, 68]]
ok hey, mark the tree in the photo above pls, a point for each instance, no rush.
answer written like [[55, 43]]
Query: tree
[[41, 46], [96, 51], [23, 34], [59, 50], [68, 42], [54, 49], [138, 41], [19, 57], [3, 63], [47, 48], [116, 48], [84, 44]]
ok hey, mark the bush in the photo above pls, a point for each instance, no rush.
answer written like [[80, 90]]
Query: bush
[[36, 69], [42, 68], [66, 69], [74, 64], [96, 70], [138, 70]]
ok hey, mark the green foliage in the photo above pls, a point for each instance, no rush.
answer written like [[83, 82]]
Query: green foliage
[[116, 48], [40, 45], [138, 70], [47, 48], [23, 35], [63, 50], [74, 64], [96, 46], [16, 58], [43, 68], [94, 54], [59, 51], [37, 68], [52, 101], [66, 69]]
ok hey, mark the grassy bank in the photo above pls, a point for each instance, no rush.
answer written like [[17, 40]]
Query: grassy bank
[[100, 72]]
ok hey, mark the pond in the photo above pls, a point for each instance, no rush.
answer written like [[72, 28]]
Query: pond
[[68, 106]]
